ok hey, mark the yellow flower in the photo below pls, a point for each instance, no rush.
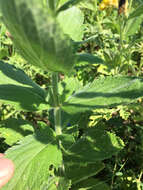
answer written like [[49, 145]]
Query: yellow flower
[[108, 3], [102, 6], [114, 3]]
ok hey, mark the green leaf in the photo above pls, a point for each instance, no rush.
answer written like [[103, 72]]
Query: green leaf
[[137, 12], [104, 93], [38, 35], [68, 4], [68, 86], [52, 5], [3, 52], [132, 26], [71, 21], [91, 184], [14, 130], [18, 90], [77, 172], [67, 140], [87, 57], [88, 5], [95, 145], [33, 158], [61, 2]]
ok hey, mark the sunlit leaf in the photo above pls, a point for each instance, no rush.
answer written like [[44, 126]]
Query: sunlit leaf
[[97, 143], [37, 35], [137, 12], [14, 130], [71, 22], [33, 157], [18, 90], [105, 92]]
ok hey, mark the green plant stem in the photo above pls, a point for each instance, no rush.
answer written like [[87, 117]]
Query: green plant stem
[[130, 6], [55, 89], [139, 181], [121, 47], [57, 119], [113, 175], [57, 113], [57, 109], [121, 34], [99, 24]]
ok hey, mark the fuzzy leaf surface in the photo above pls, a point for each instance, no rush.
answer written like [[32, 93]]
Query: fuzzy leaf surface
[[95, 145], [14, 130], [71, 22], [18, 90], [104, 93], [33, 157], [38, 35]]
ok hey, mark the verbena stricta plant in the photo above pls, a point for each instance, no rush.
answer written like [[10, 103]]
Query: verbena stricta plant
[[46, 34]]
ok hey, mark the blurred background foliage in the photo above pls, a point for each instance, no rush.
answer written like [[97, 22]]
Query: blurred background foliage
[[119, 44]]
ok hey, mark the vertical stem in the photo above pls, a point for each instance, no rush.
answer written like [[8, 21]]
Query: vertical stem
[[57, 119], [130, 6], [138, 181], [113, 175], [98, 17], [121, 34], [57, 110], [121, 46], [55, 89], [57, 113]]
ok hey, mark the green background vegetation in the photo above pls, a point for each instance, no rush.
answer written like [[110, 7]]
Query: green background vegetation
[[111, 45]]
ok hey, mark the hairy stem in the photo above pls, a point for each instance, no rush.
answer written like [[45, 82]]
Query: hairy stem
[[57, 109], [57, 113]]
